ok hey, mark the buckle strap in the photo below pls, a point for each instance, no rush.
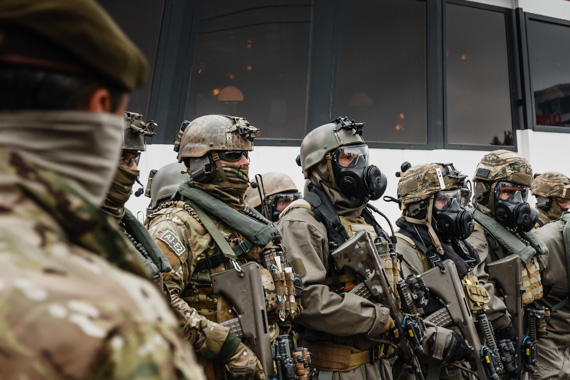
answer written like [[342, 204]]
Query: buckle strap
[[219, 258]]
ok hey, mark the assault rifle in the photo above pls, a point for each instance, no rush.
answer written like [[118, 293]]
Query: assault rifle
[[447, 288], [359, 253], [243, 288]]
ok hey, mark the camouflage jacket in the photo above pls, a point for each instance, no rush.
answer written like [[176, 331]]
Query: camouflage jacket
[[68, 311], [186, 242]]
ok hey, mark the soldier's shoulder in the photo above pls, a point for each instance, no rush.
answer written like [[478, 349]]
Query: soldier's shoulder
[[300, 208]]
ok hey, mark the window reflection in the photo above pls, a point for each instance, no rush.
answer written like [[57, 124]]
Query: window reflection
[[549, 59], [477, 81], [381, 76], [252, 60]]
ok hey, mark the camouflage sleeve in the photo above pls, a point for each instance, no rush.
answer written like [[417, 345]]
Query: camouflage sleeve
[[148, 352], [324, 310], [173, 237], [497, 312]]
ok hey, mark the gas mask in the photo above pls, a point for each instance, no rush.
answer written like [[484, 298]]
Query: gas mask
[[354, 177], [511, 208], [281, 201], [451, 218]]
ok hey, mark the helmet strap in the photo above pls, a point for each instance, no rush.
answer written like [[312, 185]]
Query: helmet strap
[[427, 223], [220, 169], [328, 157]]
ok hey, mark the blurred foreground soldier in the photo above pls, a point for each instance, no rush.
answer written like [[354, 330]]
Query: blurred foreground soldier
[[553, 358], [70, 309], [271, 193], [351, 335], [552, 192], [504, 221], [433, 228], [135, 130], [215, 243]]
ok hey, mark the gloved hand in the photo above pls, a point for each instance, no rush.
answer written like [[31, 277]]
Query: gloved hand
[[245, 365], [458, 350], [508, 332], [391, 330]]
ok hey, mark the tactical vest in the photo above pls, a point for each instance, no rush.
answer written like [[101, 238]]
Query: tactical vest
[[258, 239], [566, 236], [515, 246]]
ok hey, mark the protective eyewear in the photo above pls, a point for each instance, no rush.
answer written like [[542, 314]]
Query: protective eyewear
[[346, 156], [283, 200], [233, 155], [465, 196], [444, 198], [128, 158], [505, 190]]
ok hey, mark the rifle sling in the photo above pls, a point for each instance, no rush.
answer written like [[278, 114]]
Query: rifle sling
[[227, 252], [566, 234]]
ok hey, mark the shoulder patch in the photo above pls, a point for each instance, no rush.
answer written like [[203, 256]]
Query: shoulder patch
[[171, 240]]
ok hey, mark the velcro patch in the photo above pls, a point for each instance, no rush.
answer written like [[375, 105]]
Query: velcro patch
[[172, 241], [482, 173]]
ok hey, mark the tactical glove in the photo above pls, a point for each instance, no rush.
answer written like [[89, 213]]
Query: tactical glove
[[458, 350], [245, 365], [391, 330]]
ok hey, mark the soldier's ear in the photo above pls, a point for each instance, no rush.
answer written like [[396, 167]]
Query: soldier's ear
[[100, 101]]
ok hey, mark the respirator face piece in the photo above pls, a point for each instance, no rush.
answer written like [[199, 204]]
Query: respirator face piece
[[511, 208], [452, 220]]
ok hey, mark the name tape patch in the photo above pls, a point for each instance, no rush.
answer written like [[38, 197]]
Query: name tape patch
[[171, 240]]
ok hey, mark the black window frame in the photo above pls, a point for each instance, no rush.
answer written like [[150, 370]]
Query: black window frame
[[530, 111]]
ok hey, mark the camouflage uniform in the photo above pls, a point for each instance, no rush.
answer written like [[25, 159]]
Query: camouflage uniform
[[554, 349], [340, 328], [192, 250], [68, 311], [420, 184], [548, 188]]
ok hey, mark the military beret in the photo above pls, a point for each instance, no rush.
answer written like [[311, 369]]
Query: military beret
[[75, 36]]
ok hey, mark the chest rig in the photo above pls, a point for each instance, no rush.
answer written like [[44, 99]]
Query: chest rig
[[255, 239], [340, 229], [526, 247]]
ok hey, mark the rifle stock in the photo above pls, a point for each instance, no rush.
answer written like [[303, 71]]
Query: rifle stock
[[246, 295], [359, 253], [448, 289], [507, 274]]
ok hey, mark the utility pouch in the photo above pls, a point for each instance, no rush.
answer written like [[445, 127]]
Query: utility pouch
[[477, 296]]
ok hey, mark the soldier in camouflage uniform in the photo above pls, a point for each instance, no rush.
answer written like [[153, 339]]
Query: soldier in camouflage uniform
[[135, 130], [341, 329], [162, 185], [198, 230], [552, 192], [273, 192], [433, 228], [554, 348], [75, 303], [504, 221]]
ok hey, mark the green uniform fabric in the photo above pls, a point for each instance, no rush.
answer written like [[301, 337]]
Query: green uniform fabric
[[69, 308], [554, 349]]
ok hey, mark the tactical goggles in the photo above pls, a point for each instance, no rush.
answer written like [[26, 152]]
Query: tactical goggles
[[130, 157], [346, 156], [445, 197], [283, 200], [233, 155], [505, 190]]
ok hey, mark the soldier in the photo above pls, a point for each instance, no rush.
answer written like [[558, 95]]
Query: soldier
[[552, 192], [553, 359], [70, 309], [349, 335], [503, 223], [272, 193], [135, 130], [433, 228], [207, 230], [162, 185]]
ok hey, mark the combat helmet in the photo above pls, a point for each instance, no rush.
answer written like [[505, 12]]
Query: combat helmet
[[325, 139], [135, 130], [548, 188], [164, 182], [267, 189]]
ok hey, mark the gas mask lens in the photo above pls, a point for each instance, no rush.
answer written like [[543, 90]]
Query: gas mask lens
[[506, 190], [283, 200], [347, 156], [443, 199]]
